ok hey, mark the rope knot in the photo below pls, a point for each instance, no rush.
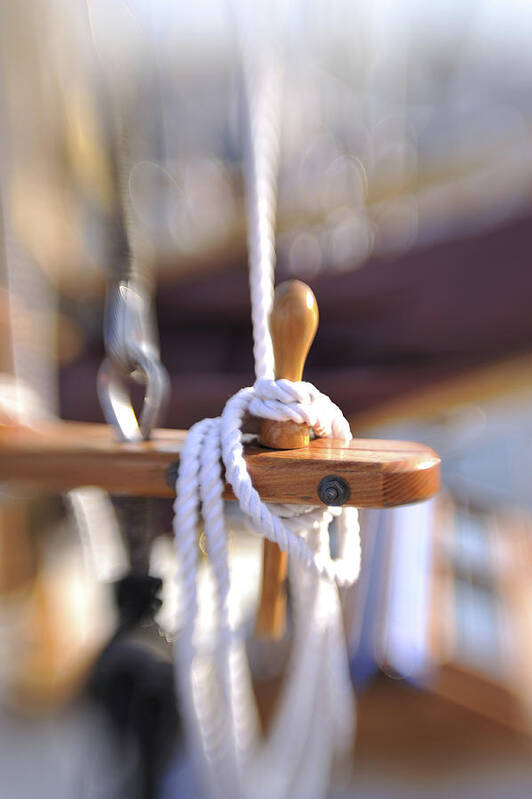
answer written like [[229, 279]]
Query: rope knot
[[216, 688], [281, 400], [300, 402]]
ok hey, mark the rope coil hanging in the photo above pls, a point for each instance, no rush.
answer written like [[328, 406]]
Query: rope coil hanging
[[315, 722], [215, 686]]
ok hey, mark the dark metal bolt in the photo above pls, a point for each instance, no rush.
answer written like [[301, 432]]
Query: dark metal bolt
[[333, 490]]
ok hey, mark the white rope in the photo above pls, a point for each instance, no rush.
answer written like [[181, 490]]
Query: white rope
[[315, 721], [263, 109], [215, 684]]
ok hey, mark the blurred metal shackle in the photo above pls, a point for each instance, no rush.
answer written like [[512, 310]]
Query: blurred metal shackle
[[130, 329], [132, 352], [129, 326]]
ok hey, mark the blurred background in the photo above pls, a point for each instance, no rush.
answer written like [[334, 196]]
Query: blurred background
[[405, 201]]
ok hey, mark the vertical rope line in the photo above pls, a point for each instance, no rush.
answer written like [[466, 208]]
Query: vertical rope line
[[263, 99]]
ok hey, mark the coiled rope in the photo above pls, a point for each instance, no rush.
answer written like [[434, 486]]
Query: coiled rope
[[315, 721]]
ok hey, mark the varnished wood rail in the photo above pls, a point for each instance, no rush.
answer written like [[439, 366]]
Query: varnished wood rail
[[62, 455]]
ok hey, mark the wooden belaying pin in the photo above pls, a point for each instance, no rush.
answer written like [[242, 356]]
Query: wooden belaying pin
[[293, 325]]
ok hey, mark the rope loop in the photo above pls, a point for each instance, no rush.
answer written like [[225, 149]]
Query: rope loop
[[216, 688], [299, 402], [200, 473]]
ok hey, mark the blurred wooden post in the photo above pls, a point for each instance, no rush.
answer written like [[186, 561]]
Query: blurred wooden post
[[16, 557], [293, 324]]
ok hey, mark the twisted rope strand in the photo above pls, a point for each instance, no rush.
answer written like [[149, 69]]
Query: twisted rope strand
[[218, 699], [263, 95]]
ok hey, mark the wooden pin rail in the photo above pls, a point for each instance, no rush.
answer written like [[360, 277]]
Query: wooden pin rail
[[62, 455]]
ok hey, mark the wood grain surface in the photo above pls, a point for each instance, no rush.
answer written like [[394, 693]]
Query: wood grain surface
[[60, 455]]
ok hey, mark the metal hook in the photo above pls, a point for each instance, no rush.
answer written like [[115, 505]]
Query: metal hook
[[132, 352]]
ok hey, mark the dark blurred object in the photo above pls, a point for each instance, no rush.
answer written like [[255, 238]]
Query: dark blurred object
[[137, 599], [134, 686]]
